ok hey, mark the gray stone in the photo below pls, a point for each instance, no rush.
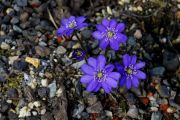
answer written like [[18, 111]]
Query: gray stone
[[133, 112], [95, 108], [170, 60], [158, 71], [5, 46], [42, 51], [20, 65], [91, 99], [21, 3], [86, 33], [52, 88], [164, 91], [12, 93], [131, 41], [156, 116], [77, 111], [14, 20], [17, 29], [61, 50]]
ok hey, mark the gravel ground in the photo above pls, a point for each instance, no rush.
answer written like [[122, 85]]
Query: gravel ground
[[39, 79]]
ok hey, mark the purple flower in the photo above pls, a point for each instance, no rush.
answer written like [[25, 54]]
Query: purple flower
[[78, 54], [130, 73], [97, 74], [109, 32], [70, 24]]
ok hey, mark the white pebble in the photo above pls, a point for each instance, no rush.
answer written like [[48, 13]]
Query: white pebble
[[138, 34], [44, 82]]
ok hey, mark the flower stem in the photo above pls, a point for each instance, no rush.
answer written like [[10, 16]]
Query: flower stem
[[81, 43]]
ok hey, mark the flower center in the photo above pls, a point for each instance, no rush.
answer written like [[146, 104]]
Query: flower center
[[129, 71], [79, 53], [100, 76], [110, 34], [72, 24]]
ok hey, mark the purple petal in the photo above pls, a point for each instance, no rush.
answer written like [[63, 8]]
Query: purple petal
[[100, 28], [114, 75], [126, 59], [128, 83], [97, 35], [69, 32], [135, 82], [133, 59], [92, 85], [123, 80], [103, 44], [140, 75], [113, 23], [60, 31], [101, 61], [64, 22], [114, 44], [92, 62], [109, 67], [80, 26], [139, 65], [105, 22], [119, 67], [80, 19], [106, 88], [86, 78], [71, 18], [121, 38], [97, 88], [87, 69], [120, 27], [111, 82]]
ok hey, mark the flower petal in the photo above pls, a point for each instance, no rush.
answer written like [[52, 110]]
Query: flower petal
[[64, 22], [126, 59], [139, 65], [100, 28], [97, 88], [97, 35], [120, 68], [114, 44], [69, 32], [61, 31], [92, 62], [123, 80], [92, 85], [101, 61], [80, 26], [106, 88], [86, 78], [133, 59], [110, 81], [128, 83], [72, 18], [109, 67], [105, 22], [103, 44], [113, 23], [114, 75], [120, 27], [87, 69], [80, 19], [121, 38], [140, 75], [135, 82]]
